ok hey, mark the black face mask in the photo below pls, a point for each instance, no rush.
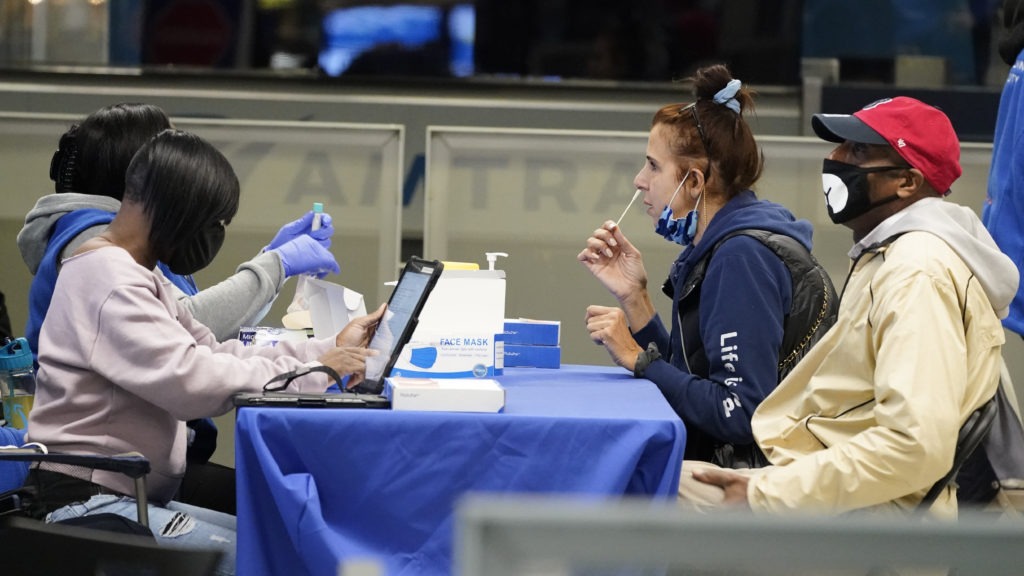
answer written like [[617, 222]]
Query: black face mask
[[199, 252], [847, 190]]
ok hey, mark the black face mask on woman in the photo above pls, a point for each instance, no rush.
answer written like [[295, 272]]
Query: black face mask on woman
[[199, 252], [847, 190]]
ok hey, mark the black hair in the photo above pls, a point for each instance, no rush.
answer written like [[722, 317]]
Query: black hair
[[106, 141], [183, 185]]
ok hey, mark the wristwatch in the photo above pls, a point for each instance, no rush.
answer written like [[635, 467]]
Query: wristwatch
[[644, 360]]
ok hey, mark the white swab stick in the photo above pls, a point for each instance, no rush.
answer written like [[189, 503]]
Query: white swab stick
[[628, 206]]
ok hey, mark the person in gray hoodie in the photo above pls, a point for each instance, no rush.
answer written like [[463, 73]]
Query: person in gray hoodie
[[869, 419], [88, 172]]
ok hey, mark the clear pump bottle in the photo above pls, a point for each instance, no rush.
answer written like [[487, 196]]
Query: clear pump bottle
[[17, 382]]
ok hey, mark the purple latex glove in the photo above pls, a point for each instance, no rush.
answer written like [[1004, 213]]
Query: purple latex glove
[[304, 255], [303, 227]]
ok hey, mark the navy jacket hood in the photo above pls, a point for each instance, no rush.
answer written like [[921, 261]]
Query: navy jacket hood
[[746, 211]]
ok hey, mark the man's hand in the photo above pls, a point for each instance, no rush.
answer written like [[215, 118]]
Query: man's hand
[[733, 484]]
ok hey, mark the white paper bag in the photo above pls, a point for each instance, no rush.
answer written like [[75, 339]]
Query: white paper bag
[[332, 306]]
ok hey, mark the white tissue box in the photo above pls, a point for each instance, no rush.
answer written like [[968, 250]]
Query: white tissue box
[[260, 336], [445, 395]]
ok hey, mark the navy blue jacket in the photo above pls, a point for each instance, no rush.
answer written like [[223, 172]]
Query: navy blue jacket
[[745, 296]]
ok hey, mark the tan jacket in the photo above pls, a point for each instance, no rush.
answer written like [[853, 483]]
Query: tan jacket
[[869, 418]]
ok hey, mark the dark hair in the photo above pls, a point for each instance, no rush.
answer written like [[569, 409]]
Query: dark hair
[[727, 140], [184, 185], [1012, 40], [106, 141]]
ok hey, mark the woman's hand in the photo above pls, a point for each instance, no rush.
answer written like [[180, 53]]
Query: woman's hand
[[359, 331], [611, 258], [607, 326], [348, 360]]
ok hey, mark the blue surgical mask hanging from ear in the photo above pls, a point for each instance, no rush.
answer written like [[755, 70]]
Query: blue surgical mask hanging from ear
[[678, 230]]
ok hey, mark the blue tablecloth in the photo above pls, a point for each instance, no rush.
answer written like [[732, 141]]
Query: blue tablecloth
[[316, 486]]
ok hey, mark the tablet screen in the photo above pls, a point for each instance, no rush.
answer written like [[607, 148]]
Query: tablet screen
[[396, 327]]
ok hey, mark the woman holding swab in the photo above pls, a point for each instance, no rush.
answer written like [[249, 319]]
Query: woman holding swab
[[748, 299]]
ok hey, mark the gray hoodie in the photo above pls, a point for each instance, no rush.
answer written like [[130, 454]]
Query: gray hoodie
[[960, 228], [240, 300]]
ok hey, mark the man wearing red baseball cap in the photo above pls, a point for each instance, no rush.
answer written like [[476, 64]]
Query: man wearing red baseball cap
[[868, 420]]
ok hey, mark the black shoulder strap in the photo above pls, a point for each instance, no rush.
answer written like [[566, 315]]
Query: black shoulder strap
[[815, 304]]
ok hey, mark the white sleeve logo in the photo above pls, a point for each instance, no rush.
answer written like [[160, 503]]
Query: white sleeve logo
[[729, 354]]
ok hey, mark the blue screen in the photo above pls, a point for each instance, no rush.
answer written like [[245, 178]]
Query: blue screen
[[402, 30]]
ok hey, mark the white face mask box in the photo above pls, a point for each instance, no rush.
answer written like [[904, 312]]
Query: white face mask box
[[451, 355], [460, 328]]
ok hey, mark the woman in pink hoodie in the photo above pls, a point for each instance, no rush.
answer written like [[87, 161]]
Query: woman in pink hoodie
[[123, 364]]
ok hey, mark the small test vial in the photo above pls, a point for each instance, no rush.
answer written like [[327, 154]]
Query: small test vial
[[318, 214]]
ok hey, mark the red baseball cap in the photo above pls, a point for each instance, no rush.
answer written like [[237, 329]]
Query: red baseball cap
[[920, 133]]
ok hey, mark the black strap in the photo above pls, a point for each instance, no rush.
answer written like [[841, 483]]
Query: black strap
[[287, 377]]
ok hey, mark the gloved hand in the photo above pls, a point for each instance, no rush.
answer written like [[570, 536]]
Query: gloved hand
[[304, 255], [303, 227]]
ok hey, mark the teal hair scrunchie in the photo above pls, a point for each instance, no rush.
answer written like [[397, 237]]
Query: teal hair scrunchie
[[727, 96]]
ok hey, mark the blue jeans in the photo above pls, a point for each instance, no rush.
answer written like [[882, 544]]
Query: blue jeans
[[176, 524]]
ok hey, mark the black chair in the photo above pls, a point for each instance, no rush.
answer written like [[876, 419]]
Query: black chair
[[972, 434], [133, 465], [38, 549], [96, 544]]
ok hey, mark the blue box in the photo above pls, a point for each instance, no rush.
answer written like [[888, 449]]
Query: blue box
[[533, 356], [522, 331]]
